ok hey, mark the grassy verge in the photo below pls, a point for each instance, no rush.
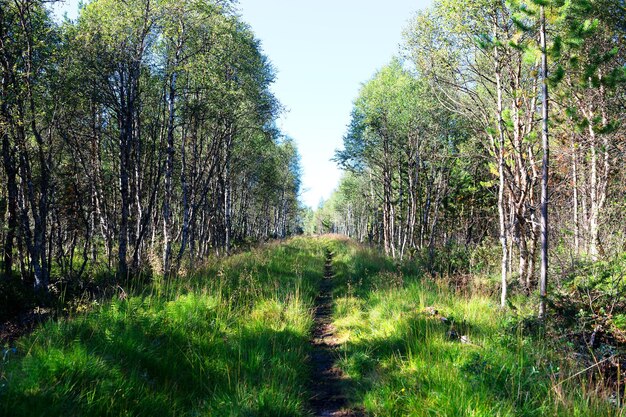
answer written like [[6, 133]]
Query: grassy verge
[[231, 341], [401, 358]]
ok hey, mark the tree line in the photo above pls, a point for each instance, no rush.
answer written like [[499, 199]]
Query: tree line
[[494, 113], [140, 136]]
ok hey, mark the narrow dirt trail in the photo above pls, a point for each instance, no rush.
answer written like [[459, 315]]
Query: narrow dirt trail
[[328, 399]]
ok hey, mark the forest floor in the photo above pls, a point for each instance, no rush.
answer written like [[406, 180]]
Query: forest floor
[[23, 324], [307, 327]]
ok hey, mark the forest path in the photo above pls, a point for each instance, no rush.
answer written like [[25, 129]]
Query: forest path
[[326, 383]]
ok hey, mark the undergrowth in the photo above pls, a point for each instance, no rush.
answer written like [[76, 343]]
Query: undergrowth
[[229, 341], [233, 340], [415, 346]]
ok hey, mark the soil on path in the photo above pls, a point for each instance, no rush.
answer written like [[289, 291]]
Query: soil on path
[[328, 399]]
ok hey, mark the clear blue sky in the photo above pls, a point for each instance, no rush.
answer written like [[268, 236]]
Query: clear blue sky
[[322, 50]]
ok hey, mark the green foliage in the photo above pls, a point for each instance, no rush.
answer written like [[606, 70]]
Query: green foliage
[[234, 340], [388, 108], [229, 341], [165, 103], [401, 358], [409, 161], [592, 297]]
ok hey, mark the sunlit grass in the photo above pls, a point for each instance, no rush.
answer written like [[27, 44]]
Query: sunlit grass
[[229, 341], [233, 340], [401, 360]]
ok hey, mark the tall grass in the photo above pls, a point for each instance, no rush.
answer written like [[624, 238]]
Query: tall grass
[[229, 341], [233, 340], [401, 359]]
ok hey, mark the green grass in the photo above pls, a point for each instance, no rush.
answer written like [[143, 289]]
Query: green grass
[[229, 341], [233, 340], [401, 361]]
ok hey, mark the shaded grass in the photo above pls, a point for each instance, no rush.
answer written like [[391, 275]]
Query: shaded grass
[[230, 341], [405, 361]]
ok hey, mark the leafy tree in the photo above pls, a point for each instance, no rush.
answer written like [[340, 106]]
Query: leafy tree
[[138, 138]]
